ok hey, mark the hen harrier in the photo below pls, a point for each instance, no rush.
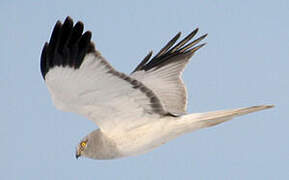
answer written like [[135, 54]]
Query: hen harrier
[[135, 113]]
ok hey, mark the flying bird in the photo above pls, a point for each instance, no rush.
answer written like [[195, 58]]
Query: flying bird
[[135, 113]]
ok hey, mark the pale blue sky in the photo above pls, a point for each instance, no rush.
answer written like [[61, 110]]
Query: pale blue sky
[[244, 63]]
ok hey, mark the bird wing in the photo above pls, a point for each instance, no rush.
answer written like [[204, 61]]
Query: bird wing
[[80, 80], [162, 73]]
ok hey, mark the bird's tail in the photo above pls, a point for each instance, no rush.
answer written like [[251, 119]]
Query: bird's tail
[[196, 121]]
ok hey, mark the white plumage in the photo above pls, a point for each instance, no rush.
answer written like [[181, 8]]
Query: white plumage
[[134, 113], [102, 97]]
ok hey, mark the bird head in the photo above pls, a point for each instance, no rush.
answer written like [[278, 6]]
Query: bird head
[[97, 146]]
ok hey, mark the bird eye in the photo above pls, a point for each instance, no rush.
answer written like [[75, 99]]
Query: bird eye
[[83, 144]]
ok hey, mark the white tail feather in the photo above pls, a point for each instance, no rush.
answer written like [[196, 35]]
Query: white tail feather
[[196, 121]]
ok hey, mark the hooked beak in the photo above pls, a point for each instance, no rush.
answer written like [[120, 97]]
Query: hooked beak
[[77, 154]]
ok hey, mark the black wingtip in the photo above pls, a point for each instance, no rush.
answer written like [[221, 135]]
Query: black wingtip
[[193, 50], [68, 18], [67, 46], [192, 44], [43, 65], [166, 54], [184, 41], [143, 62], [204, 36], [168, 45]]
